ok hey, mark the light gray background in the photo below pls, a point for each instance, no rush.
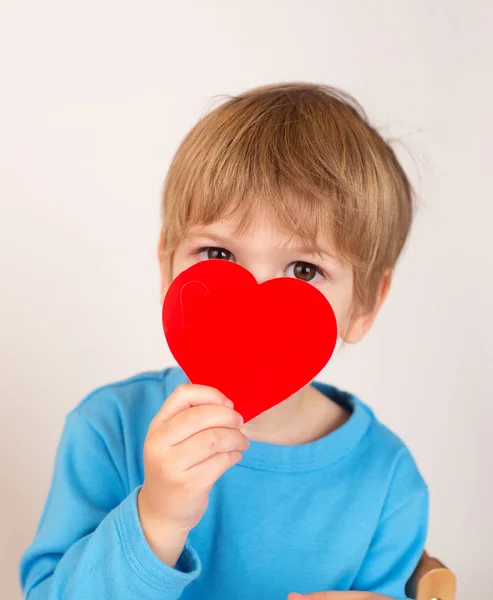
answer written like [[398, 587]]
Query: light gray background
[[95, 98]]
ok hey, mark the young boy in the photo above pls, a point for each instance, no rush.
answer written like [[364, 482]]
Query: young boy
[[149, 499]]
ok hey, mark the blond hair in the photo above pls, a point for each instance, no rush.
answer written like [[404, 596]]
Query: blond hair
[[307, 153]]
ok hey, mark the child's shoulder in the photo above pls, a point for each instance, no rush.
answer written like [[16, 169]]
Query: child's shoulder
[[372, 441], [139, 396], [385, 452]]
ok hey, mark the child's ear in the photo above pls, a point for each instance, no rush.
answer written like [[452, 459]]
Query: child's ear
[[162, 267], [363, 319]]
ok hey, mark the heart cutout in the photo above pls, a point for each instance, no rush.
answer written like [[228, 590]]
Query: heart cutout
[[256, 343]]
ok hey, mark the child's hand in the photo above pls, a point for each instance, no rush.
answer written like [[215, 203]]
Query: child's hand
[[191, 442], [338, 596]]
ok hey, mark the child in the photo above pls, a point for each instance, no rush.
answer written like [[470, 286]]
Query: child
[[149, 499]]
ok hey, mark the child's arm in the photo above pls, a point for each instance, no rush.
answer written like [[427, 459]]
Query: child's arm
[[399, 539], [340, 596], [89, 542]]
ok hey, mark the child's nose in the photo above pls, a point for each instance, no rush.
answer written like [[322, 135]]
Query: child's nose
[[263, 273]]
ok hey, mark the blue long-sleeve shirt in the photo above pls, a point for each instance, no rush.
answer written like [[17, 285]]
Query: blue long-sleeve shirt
[[348, 511]]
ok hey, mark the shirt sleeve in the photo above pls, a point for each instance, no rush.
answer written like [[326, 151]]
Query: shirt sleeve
[[400, 536], [89, 542]]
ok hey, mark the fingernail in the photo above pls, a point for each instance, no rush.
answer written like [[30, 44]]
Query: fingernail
[[229, 403]]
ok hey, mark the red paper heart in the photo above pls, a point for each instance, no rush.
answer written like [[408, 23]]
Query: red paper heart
[[257, 344]]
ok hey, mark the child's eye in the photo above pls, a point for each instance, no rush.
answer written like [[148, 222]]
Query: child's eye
[[304, 271], [214, 253]]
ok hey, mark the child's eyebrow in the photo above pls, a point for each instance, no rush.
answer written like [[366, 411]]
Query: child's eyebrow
[[311, 251], [322, 254], [211, 236]]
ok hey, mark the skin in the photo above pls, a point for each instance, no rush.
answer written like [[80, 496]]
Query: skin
[[339, 596], [268, 252]]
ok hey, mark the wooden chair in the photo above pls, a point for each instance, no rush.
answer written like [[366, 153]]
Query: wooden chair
[[431, 581]]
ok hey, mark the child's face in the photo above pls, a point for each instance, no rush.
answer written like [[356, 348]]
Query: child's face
[[268, 253]]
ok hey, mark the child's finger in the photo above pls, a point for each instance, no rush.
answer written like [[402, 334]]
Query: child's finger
[[196, 419], [206, 443], [206, 473], [187, 395]]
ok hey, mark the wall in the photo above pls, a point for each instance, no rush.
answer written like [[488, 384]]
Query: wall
[[95, 99]]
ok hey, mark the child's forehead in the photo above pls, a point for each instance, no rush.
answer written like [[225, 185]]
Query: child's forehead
[[286, 216]]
